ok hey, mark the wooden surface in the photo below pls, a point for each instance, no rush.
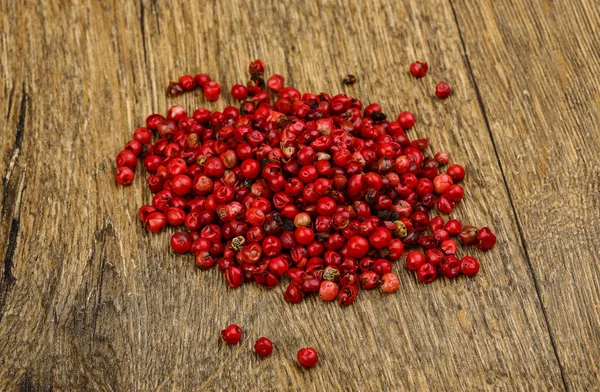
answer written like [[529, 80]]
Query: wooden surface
[[89, 300]]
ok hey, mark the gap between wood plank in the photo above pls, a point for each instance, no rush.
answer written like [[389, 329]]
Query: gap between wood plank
[[510, 199]]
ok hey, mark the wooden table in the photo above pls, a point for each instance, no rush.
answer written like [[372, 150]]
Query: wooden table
[[89, 300]]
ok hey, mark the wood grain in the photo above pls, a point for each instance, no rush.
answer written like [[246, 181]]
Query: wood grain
[[92, 301], [536, 66]]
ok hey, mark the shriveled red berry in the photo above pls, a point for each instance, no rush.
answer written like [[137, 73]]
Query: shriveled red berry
[[419, 69], [448, 247], [450, 267], [234, 276], [443, 90], [486, 239], [308, 357], [427, 273], [125, 175], [275, 82], [156, 221], [232, 334]]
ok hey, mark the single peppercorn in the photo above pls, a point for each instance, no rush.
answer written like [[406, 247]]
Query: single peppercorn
[[232, 334], [419, 69], [443, 90], [349, 80], [308, 357], [174, 89], [263, 347]]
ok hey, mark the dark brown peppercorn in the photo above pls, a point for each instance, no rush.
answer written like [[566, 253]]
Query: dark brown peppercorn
[[174, 89], [349, 80]]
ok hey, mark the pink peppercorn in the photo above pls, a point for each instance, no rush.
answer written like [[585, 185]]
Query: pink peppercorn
[[443, 90], [419, 69], [406, 120], [232, 334], [263, 347], [212, 90]]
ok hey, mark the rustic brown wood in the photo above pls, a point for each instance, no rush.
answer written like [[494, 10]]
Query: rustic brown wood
[[90, 301], [536, 65]]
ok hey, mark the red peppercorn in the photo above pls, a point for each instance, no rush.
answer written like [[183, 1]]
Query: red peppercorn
[[468, 235], [436, 223], [450, 267], [304, 235], [126, 158], [263, 347], [187, 82], [406, 120], [453, 227], [181, 242], [239, 92], [427, 273], [456, 172], [125, 175], [232, 334], [414, 260], [442, 158], [328, 291], [419, 69], [308, 357], [486, 239], [448, 247], [156, 221], [442, 183], [380, 238], [212, 90], [442, 90], [434, 256], [469, 266], [293, 294], [390, 284], [174, 89], [348, 294], [275, 82], [201, 80], [357, 247]]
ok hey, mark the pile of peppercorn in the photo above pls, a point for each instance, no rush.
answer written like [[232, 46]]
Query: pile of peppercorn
[[314, 187]]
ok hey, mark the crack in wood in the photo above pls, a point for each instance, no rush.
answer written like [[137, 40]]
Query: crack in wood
[[142, 26], [8, 279], [510, 197], [16, 150], [100, 237]]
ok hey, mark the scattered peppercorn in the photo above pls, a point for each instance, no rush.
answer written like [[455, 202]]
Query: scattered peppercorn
[[419, 69], [263, 347], [349, 80], [443, 90], [232, 334], [308, 357]]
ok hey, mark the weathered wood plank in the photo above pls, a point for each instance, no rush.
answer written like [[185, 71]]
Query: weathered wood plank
[[537, 65], [100, 304]]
